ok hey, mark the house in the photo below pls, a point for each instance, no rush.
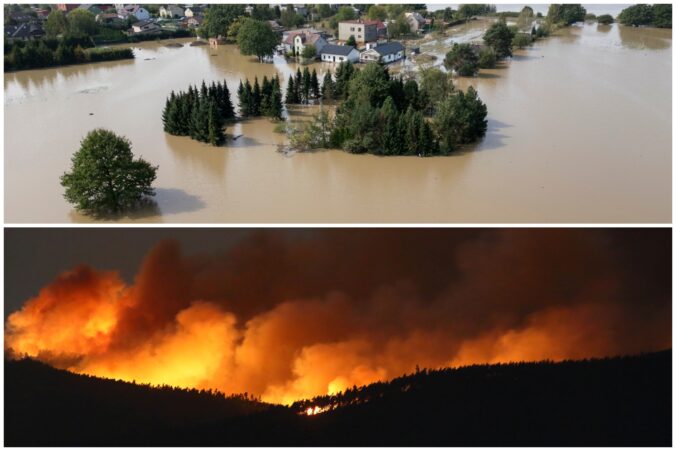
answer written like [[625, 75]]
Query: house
[[24, 32], [332, 53], [381, 28], [195, 21], [276, 27], [42, 13], [363, 31], [91, 8], [66, 7], [20, 17], [145, 27], [415, 21], [124, 11], [295, 41], [171, 12], [110, 20], [193, 11], [385, 53]]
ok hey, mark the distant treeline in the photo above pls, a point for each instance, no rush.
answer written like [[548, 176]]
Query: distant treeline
[[199, 113], [658, 15], [599, 402], [54, 52]]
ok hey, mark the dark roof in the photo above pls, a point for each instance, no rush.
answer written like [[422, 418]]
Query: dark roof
[[390, 47], [332, 49], [23, 31]]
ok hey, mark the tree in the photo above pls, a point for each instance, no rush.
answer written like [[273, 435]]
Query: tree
[[370, 84], [499, 38], [218, 18], [351, 41], [487, 58], [566, 14], [526, 18], [290, 92], [233, 29], [314, 84], [460, 119], [398, 26], [257, 38], [662, 15], [215, 125], [435, 85], [306, 85], [328, 87], [82, 24], [463, 60], [376, 12], [104, 175], [522, 40], [309, 51], [392, 141], [56, 24], [605, 19]]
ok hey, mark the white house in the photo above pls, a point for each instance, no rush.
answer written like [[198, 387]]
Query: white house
[[298, 39], [124, 11], [171, 12], [193, 11], [416, 21], [386, 53], [145, 27], [332, 53]]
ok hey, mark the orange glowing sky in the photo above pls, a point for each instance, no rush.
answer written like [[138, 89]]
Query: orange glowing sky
[[289, 319]]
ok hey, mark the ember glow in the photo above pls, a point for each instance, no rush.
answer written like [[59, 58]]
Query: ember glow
[[291, 319]]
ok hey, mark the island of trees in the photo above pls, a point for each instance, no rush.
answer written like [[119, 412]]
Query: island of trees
[[385, 115], [658, 15], [199, 113]]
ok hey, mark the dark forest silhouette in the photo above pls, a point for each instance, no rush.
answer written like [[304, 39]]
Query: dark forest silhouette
[[610, 402]]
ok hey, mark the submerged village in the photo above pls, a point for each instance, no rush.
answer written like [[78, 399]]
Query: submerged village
[[387, 80]]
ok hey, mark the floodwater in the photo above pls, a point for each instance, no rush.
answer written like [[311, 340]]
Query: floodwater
[[579, 131]]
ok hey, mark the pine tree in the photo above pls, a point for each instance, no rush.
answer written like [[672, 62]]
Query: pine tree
[[256, 99], [389, 118], [307, 81], [227, 110], [168, 114], [328, 87], [266, 92], [214, 124], [244, 94], [290, 92], [314, 84], [203, 90], [275, 110], [298, 86], [426, 139], [200, 120]]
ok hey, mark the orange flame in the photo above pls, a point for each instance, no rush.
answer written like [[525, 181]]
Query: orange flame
[[181, 326]]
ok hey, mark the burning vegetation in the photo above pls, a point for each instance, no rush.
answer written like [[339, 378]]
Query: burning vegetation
[[287, 319]]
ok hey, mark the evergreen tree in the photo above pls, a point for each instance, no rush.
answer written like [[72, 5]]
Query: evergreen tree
[[314, 84], [389, 118], [298, 86], [328, 87], [426, 139], [307, 85], [291, 92], [275, 109], [215, 124], [200, 120], [255, 99], [224, 102]]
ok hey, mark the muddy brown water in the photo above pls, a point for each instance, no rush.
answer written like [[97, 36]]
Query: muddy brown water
[[579, 131]]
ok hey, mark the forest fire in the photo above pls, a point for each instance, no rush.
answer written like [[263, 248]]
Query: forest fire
[[286, 320]]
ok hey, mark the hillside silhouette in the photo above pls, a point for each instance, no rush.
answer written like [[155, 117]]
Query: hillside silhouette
[[622, 401]]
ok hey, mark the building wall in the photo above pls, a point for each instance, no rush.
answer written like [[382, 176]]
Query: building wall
[[361, 32]]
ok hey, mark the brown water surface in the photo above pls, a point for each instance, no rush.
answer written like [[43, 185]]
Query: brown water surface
[[579, 130]]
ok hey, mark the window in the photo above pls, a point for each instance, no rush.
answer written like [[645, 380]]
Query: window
[[351, 28]]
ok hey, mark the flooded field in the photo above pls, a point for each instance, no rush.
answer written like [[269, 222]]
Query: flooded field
[[579, 130]]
